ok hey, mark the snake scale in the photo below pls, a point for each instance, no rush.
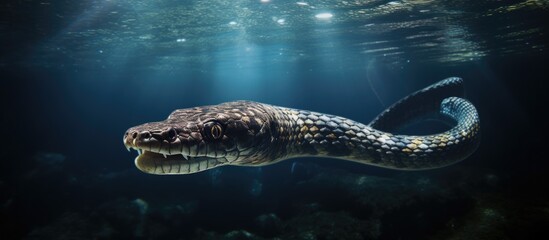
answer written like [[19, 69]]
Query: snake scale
[[248, 133]]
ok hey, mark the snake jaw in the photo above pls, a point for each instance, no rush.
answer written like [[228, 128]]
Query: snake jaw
[[180, 156], [179, 163]]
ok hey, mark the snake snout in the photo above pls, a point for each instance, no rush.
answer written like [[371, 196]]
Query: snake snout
[[132, 136]]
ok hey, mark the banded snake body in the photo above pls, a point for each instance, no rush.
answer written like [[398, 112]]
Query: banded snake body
[[248, 133]]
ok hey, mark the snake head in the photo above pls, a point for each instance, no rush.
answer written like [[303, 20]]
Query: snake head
[[196, 139]]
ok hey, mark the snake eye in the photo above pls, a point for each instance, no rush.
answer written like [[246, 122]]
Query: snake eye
[[213, 130], [172, 134]]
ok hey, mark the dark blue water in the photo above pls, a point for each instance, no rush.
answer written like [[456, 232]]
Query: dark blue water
[[76, 76]]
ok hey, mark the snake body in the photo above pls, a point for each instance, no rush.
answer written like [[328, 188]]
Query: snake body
[[249, 133]]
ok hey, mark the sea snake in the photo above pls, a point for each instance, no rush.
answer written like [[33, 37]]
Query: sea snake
[[246, 133]]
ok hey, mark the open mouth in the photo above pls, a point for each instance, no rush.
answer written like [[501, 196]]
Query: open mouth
[[162, 164]]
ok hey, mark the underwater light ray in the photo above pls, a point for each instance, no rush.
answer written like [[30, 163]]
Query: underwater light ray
[[371, 75], [89, 17]]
